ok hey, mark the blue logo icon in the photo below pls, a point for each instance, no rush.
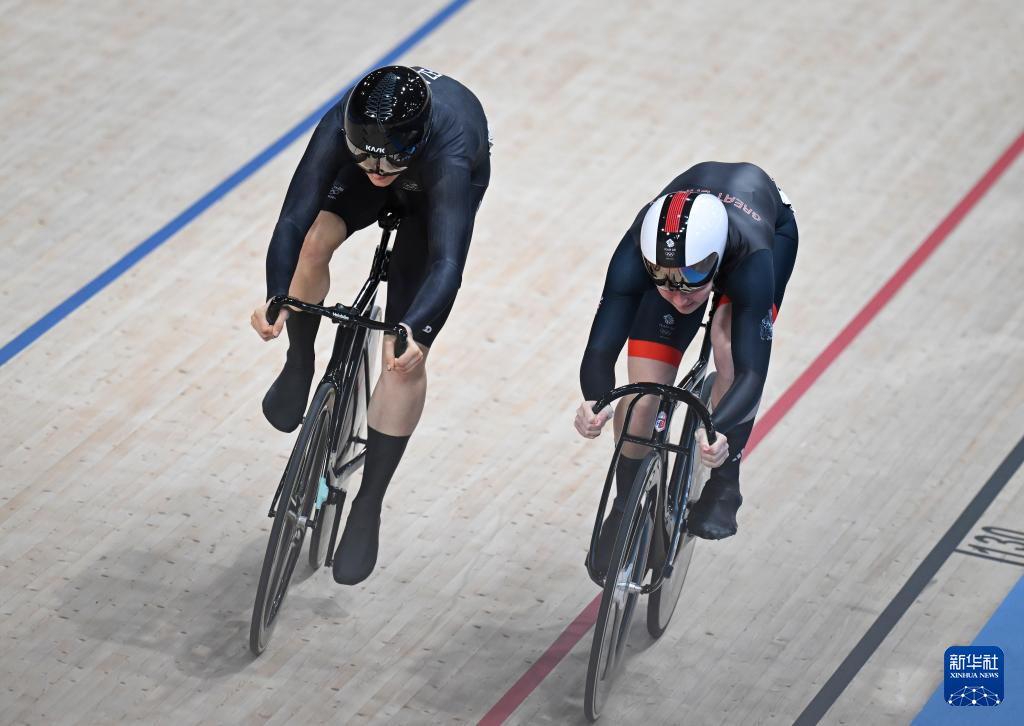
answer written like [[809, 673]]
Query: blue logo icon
[[974, 675]]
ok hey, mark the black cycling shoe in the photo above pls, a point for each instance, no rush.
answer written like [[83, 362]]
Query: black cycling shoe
[[606, 541], [713, 516], [285, 402], [356, 556]]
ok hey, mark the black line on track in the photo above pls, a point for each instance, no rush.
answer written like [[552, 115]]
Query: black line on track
[[914, 586]]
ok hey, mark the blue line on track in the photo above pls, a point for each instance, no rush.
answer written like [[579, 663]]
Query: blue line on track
[[94, 286]]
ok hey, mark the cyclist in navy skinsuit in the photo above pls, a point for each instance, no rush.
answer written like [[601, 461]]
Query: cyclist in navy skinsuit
[[743, 236], [408, 138]]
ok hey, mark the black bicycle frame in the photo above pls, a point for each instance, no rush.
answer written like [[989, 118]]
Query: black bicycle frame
[[686, 392], [353, 327]]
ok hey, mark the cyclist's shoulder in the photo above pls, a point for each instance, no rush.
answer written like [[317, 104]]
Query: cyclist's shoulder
[[626, 272], [444, 88], [747, 276], [455, 107], [459, 140]]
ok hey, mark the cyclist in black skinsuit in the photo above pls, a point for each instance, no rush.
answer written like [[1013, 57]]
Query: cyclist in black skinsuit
[[408, 138], [659, 304]]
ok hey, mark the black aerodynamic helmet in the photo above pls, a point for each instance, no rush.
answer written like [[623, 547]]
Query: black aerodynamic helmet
[[387, 119]]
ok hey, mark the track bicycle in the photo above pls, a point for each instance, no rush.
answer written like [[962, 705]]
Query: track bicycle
[[652, 535], [331, 444]]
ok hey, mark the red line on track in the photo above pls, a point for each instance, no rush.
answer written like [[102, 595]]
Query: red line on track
[[547, 662], [585, 620], [860, 321]]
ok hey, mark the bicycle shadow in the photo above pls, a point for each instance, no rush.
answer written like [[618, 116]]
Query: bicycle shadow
[[193, 611], [564, 687]]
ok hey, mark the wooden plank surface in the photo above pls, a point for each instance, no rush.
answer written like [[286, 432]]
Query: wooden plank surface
[[135, 466]]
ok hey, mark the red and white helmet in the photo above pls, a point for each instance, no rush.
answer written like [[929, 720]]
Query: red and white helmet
[[683, 239]]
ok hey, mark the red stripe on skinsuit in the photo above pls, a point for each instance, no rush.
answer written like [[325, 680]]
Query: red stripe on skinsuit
[[654, 351]]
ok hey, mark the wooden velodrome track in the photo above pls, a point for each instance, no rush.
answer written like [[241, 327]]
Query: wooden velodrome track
[[136, 467]]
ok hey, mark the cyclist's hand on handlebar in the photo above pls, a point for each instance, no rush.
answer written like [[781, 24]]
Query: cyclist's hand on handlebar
[[589, 423], [712, 455], [406, 362], [259, 323]]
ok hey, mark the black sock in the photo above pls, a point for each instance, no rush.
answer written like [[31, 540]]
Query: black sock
[[383, 452], [302, 329], [625, 474], [286, 399]]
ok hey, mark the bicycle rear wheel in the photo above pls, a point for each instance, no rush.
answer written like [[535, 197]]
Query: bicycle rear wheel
[[662, 602], [305, 468], [623, 581]]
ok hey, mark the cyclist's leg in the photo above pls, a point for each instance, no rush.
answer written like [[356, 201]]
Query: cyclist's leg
[[312, 279], [397, 401], [350, 205], [714, 515], [657, 341], [395, 406], [393, 412]]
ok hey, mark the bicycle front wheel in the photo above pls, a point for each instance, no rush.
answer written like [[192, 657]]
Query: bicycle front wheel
[[662, 602], [351, 430], [306, 467], [622, 585]]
